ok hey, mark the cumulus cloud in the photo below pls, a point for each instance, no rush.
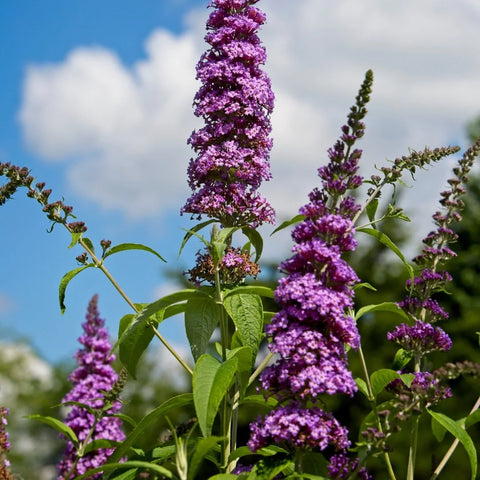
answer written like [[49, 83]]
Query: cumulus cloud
[[123, 128]]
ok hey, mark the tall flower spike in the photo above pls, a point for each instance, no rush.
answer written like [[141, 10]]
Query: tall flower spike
[[422, 337], [312, 328], [236, 101], [91, 379]]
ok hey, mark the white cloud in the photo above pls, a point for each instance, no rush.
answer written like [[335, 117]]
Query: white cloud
[[123, 129]]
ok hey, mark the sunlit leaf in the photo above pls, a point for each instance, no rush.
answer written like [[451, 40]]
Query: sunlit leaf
[[64, 283], [211, 380], [132, 246]]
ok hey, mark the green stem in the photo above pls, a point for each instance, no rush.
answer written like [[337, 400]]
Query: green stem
[[99, 264], [371, 398], [412, 451]]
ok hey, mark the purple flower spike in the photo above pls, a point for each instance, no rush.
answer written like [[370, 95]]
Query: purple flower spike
[[420, 338], [313, 327], [310, 428], [236, 101], [91, 379]]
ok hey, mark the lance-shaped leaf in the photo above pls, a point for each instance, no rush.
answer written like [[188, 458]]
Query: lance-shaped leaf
[[193, 231], [147, 421], [202, 448], [246, 311], [463, 437], [131, 246], [128, 464], [201, 319], [381, 307], [385, 240], [164, 302], [64, 283], [287, 223], [134, 341], [211, 380], [57, 425], [255, 239], [381, 378]]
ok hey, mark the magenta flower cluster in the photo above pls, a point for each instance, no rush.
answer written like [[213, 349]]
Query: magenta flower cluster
[[313, 328], [236, 101], [310, 332], [91, 379], [294, 425]]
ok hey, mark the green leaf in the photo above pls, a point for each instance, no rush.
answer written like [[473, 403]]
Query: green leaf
[[385, 240], [472, 419], [288, 223], [381, 307], [463, 437], [100, 443], [246, 311], [223, 476], [64, 283], [193, 231], [366, 285], [402, 358], [89, 244], [381, 378], [201, 319], [134, 341], [162, 453], [211, 380], [266, 292], [244, 367], [255, 239], [128, 464], [372, 209], [223, 235], [132, 246], [147, 421], [76, 236], [128, 475], [164, 302], [57, 425], [217, 249], [269, 468], [203, 447], [437, 430], [362, 386], [260, 400], [125, 419]]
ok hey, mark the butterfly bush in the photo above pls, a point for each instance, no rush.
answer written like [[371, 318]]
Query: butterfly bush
[[235, 101], [314, 326], [308, 320], [92, 380]]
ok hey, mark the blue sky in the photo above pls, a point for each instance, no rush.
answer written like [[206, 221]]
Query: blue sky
[[96, 101]]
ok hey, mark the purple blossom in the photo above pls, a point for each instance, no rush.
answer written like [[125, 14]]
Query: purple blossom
[[5, 473], [341, 466], [419, 303], [425, 389], [236, 101], [91, 379], [310, 428], [310, 364], [313, 327], [421, 338]]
